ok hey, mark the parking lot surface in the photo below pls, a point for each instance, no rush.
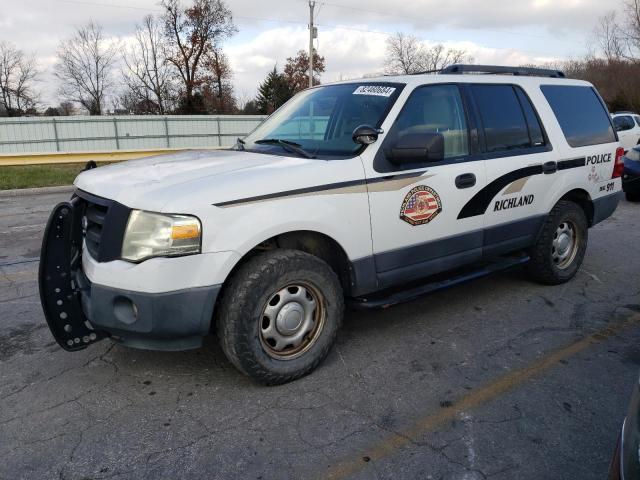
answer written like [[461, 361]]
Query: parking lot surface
[[500, 378]]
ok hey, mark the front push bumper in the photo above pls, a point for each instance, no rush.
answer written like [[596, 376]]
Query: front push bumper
[[80, 313]]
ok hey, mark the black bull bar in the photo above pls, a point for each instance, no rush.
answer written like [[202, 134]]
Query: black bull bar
[[58, 279]]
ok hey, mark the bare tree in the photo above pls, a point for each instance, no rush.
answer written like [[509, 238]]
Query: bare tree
[[631, 30], [191, 34], [84, 67], [18, 74], [609, 37], [438, 57], [148, 74], [406, 54]]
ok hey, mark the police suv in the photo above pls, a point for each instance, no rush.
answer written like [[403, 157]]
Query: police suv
[[361, 192]]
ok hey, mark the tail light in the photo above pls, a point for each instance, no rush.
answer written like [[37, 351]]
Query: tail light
[[618, 167]]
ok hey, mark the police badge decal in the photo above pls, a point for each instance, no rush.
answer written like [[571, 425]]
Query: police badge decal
[[420, 206]]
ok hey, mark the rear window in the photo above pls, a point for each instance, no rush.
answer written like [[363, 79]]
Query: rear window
[[622, 124], [582, 116]]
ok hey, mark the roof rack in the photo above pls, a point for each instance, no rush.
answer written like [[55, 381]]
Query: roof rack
[[624, 112], [460, 69]]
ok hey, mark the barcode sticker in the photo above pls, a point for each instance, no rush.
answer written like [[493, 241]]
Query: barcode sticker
[[377, 90]]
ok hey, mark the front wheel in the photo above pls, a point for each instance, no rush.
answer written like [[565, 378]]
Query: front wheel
[[559, 251], [279, 315]]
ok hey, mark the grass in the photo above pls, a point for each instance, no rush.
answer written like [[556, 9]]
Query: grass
[[28, 176]]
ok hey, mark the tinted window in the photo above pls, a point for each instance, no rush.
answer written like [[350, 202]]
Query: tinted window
[[505, 127], [536, 134], [622, 124], [436, 109], [582, 116]]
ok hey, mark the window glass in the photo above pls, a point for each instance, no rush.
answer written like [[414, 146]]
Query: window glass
[[623, 123], [637, 118], [322, 120], [504, 124], [436, 109], [582, 116], [533, 122]]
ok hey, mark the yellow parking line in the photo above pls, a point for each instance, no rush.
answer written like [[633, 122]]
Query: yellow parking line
[[483, 395]]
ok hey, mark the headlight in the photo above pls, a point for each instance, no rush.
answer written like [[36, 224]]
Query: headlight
[[634, 154], [158, 235]]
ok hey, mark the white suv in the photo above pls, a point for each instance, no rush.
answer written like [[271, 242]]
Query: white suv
[[627, 124], [360, 191]]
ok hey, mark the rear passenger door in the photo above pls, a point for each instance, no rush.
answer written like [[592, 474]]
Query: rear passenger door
[[515, 148]]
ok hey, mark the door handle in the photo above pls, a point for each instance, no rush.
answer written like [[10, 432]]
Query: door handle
[[549, 167], [466, 180]]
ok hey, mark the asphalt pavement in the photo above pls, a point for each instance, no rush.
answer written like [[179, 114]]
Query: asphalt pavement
[[500, 378]]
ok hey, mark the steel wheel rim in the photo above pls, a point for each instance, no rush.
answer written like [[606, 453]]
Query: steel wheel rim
[[564, 247], [292, 320]]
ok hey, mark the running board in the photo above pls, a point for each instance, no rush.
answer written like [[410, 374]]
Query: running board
[[393, 297]]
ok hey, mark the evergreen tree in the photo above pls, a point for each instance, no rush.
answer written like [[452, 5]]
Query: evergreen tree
[[273, 92]]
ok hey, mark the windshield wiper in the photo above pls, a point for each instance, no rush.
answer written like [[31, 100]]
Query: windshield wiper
[[287, 145]]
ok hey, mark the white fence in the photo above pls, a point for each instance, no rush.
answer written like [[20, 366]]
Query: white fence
[[94, 134]]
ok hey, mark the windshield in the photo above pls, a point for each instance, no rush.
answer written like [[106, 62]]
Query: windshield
[[320, 121]]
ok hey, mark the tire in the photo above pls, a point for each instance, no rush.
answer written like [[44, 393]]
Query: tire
[[633, 197], [269, 290], [550, 263]]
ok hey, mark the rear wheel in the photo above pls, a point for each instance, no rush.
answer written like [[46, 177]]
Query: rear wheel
[[279, 315], [560, 249]]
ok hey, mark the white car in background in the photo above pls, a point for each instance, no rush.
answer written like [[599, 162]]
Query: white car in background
[[627, 124]]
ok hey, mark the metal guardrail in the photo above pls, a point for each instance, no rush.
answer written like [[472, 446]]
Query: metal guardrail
[[94, 134]]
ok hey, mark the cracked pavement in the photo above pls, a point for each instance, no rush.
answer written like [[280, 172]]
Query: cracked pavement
[[379, 407]]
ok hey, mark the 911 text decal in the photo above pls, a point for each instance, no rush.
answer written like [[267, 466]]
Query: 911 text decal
[[513, 203]]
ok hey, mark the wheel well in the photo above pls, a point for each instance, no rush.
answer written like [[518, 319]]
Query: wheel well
[[314, 243], [582, 198]]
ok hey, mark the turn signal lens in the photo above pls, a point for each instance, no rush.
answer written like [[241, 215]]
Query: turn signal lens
[[618, 167], [183, 232]]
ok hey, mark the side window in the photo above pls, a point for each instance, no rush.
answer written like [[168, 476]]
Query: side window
[[436, 109], [536, 133], [582, 115], [637, 119], [505, 127]]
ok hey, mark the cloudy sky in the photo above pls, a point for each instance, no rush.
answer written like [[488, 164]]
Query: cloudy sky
[[352, 33]]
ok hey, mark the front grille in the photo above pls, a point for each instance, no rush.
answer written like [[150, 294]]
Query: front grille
[[95, 216], [104, 222]]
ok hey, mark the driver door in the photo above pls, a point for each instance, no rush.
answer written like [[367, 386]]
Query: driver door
[[415, 205]]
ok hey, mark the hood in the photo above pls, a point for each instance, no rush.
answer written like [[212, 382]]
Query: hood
[[152, 182]]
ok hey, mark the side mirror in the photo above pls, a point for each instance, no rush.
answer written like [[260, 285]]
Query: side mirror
[[417, 148], [366, 134]]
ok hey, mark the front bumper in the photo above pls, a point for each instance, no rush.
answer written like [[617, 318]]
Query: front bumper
[[176, 320], [80, 312]]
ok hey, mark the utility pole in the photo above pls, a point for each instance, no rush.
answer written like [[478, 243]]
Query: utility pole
[[313, 33]]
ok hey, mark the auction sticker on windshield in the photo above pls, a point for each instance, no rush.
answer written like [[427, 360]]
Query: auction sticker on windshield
[[378, 90]]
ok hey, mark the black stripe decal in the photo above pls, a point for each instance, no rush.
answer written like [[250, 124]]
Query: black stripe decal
[[480, 201], [319, 188]]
